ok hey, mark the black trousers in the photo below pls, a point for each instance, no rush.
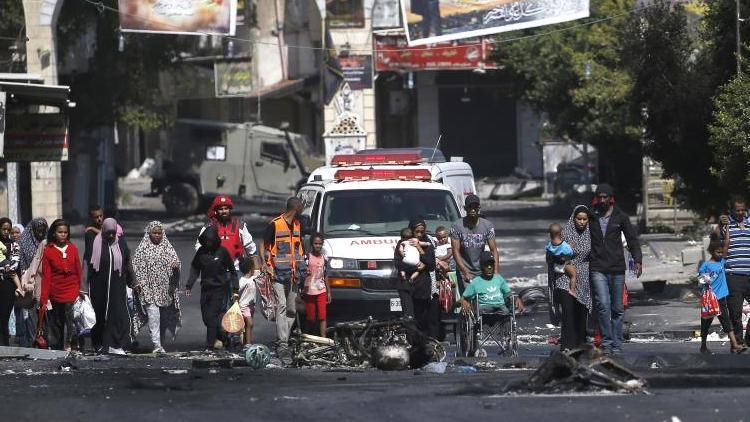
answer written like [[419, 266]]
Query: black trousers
[[573, 318], [7, 298], [212, 310], [61, 327], [724, 319], [426, 312], [739, 290]]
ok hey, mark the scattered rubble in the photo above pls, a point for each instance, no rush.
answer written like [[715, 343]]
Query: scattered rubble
[[580, 371], [386, 345]]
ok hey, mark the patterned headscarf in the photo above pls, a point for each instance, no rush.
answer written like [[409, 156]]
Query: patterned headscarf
[[110, 224], [153, 263], [29, 243], [580, 241]]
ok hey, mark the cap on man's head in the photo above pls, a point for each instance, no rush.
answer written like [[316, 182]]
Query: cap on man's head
[[471, 199], [486, 258], [604, 189]]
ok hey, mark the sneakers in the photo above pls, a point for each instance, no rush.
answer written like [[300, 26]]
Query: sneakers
[[158, 350], [116, 351]]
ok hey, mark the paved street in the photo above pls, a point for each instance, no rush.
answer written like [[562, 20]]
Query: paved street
[[684, 385]]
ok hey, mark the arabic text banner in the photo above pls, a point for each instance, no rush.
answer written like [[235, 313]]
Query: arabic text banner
[[179, 16], [431, 21]]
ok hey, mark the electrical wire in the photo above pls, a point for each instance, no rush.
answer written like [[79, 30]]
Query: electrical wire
[[102, 7]]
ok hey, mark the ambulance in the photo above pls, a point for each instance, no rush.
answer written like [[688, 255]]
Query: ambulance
[[361, 202]]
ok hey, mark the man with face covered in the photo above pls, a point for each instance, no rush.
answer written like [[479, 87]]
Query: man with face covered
[[607, 264], [284, 258]]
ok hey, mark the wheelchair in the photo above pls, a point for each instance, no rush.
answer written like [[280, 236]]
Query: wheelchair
[[475, 331]]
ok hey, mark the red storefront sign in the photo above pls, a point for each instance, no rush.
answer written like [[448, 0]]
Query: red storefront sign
[[392, 53]]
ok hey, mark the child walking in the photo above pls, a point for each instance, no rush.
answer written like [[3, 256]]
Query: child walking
[[561, 255], [316, 291], [246, 296], [712, 273]]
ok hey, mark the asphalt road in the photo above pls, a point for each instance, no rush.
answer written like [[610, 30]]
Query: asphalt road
[[684, 385]]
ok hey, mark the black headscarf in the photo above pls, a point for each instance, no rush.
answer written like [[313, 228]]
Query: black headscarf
[[7, 240], [418, 221]]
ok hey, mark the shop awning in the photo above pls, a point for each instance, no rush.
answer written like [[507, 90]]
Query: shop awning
[[56, 95]]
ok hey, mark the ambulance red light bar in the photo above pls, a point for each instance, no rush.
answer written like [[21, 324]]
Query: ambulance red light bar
[[376, 159], [383, 174]]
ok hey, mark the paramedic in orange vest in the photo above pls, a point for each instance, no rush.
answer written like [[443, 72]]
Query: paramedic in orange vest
[[235, 237], [285, 259]]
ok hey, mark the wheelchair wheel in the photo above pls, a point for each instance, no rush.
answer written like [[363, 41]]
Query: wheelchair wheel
[[467, 339]]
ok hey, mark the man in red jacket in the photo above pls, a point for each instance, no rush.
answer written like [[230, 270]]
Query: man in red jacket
[[233, 232]]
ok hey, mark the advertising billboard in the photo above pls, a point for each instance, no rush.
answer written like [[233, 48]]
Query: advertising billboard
[[179, 16], [394, 55]]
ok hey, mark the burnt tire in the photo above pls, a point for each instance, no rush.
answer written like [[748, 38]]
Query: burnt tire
[[181, 199]]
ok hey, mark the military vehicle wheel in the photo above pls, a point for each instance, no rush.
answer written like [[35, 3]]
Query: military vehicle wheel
[[181, 199]]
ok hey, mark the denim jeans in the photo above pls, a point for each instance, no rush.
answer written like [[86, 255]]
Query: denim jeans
[[608, 306]]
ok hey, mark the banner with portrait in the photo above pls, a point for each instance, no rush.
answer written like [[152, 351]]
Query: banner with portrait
[[431, 21], [179, 16]]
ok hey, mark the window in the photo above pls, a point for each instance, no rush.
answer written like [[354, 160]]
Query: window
[[385, 212], [275, 153], [216, 153]]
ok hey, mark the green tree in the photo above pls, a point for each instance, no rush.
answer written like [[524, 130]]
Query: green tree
[[674, 79], [121, 86], [730, 135]]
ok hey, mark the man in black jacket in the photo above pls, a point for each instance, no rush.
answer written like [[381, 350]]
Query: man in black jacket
[[608, 265]]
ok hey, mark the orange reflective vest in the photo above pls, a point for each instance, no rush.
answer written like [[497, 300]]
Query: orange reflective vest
[[286, 256]]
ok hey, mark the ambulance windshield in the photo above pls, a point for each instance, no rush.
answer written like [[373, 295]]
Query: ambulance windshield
[[375, 212]]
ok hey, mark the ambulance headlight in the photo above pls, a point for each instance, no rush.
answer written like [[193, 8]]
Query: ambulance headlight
[[342, 263]]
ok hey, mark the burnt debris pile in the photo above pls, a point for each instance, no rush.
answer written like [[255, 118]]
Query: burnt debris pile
[[581, 371], [387, 345]]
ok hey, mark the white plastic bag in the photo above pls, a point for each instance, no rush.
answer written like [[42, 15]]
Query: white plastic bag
[[83, 314]]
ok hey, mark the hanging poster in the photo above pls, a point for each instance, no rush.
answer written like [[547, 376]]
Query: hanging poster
[[430, 21], [357, 71], [233, 78], [394, 55], [345, 14], [386, 14], [179, 16], [36, 137]]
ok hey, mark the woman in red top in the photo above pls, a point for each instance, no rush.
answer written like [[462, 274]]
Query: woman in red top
[[61, 284]]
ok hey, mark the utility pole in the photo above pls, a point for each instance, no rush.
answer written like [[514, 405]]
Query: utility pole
[[739, 41]]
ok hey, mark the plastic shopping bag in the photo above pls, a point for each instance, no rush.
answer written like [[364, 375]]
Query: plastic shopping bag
[[709, 303], [233, 322], [264, 283], [84, 316], [445, 294]]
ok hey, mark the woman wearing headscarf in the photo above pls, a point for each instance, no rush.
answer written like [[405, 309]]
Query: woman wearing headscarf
[[16, 232], [211, 263], [416, 295], [61, 285], [30, 247], [574, 306], [157, 274], [109, 275], [7, 285]]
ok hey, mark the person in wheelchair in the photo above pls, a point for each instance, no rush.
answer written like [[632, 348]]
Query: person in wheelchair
[[490, 289]]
